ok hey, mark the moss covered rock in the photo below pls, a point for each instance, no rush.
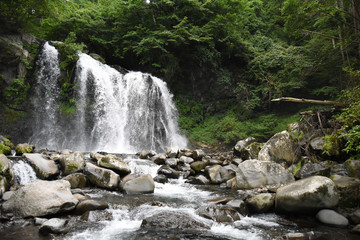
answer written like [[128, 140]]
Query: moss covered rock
[[72, 163], [198, 166], [353, 168], [24, 148], [44, 168], [349, 190], [114, 163], [101, 177]]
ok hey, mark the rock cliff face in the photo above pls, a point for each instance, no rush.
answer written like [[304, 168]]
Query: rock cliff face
[[17, 61]]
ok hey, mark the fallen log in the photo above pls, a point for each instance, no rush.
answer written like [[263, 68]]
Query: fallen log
[[303, 100]]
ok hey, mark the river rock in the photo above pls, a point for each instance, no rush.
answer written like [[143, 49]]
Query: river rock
[[5, 145], [6, 174], [114, 163], [255, 173], [198, 180], [159, 159], [307, 195], [327, 145], [90, 205], [219, 174], [168, 172], [41, 198], [77, 180], [355, 216], [356, 229], [218, 213], [137, 184], [96, 156], [172, 152], [44, 168], [172, 162], [72, 163], [260, 203], [186, 160], [331, 217], [312, 169], [198, 165], [101, 177], [239, 205], [280, 148], [198, 154], [349, 190], [353, 167], [177, 221], [161, 178], [24, 148], [54, 225], [239, 149]]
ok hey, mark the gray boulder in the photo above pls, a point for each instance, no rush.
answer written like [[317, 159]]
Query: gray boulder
[[165, 221], [331, 217], [198, 154], [168, 172], [171, 162], [239, 149], [172, 152], [186, 160], [279, 148], [260, 203], [54, 225], [137, 184], [44, 168], [72, 163], [90, 205], [159, 159], [41, 198], [255, 173], [355, 216], [77, 180], [198, 180], [307, 195], [349, 190], [218, 213], [239, 205], [114, 163], [101, 177], [219, 174]]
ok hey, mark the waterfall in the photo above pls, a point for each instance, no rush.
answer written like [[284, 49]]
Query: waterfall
[[115, 112], [23, 172]]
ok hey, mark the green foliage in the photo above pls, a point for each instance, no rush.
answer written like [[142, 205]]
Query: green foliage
[[68, 108], [69, 51], [298, 167], [15, 94]]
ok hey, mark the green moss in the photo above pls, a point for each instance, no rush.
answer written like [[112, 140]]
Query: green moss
[[297, 168], [6, 150], [71, 167], [24, 148], [331, 146]]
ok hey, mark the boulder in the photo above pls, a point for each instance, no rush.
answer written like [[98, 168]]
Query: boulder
[[239, 205], [198, 154], [353, 168], [41, 198], [161, 178], [260, 203], [349, 190], [307, 195], [114, 163], [255, 173], [313, 169], [6, 174], [198, 180], [54, 225], [328, 145], [5, 145], [168, 172], [280, 148], [198, 166], [355, 216], [331, 217], [101, 177], [90, 205], [356, 229], [239, 149], [72, 163], [159, 159], [96, 156], [218, 213], [137, 184], [44, 168], [172, 152], [186, 160], [171, 162], [219, 174], [24, 148], [165, 221], [77, 180]]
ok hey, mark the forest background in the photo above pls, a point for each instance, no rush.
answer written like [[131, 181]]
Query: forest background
[[224, 60]]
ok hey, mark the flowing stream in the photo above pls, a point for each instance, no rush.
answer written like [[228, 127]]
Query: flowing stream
[[109, 111]]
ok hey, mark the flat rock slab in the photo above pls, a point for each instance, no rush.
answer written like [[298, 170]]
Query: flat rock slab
[[44, 168]]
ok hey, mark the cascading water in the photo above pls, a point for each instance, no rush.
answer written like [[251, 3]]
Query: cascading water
[[23, 173], [115, 112]]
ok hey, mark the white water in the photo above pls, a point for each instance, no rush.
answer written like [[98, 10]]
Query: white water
[[115, 112], [23, 172], [176, 197]]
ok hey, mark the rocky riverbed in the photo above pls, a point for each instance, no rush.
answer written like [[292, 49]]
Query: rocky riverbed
[[257, 191]]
